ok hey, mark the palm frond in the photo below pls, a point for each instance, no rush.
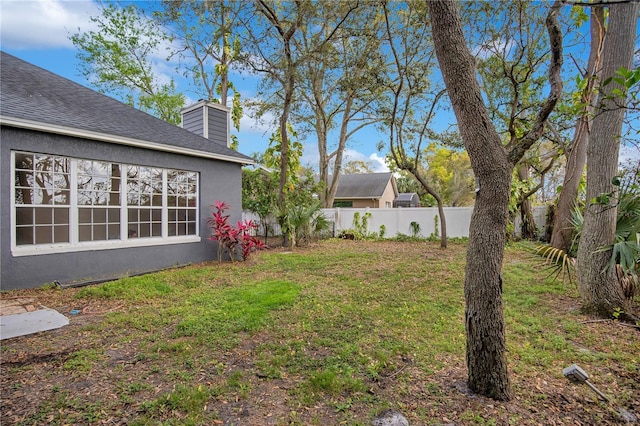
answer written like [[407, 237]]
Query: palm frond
[[558, 260]]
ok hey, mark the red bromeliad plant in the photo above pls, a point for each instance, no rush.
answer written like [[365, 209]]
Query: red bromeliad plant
[[228, 237]]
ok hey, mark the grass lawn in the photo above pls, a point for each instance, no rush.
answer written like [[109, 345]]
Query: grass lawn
[[332, 334]]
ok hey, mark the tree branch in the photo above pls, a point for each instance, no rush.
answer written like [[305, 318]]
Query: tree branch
[[517, 150]]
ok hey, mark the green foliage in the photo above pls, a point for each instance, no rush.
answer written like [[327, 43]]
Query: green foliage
[[82, 361], [518, 189], [626, 89], [360, 230], [143, 287], [216, 318], [182, 400], [436, 229], [625, 252], [450, 174], [117, 59], [260, 194], [383, 231], [307, 222], [414, 227], [355, 167], [208, 48], [272, 156], [300, 187], [579, 15]]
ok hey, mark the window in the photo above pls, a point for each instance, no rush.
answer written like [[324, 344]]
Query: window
[[42, 199], [98, 200], [182, 205], [66, 202], [144, 200]]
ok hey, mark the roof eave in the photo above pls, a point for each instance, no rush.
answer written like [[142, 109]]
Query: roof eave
[[357, 198], [120, 140]]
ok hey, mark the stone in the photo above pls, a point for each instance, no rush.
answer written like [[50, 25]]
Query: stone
[[390, 418], [627, 416]]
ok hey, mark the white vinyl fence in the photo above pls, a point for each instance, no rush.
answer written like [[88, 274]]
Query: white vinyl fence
[[399, 220]]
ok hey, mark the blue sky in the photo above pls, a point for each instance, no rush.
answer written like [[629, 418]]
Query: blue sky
[[38, 32]]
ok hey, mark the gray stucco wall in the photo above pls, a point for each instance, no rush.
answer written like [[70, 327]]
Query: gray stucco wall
[[219, 180]]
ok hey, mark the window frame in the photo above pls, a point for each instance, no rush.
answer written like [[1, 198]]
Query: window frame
[[74, 244]]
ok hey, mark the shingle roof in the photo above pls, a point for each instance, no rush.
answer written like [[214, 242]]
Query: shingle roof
[[34, 95], [369, 185]]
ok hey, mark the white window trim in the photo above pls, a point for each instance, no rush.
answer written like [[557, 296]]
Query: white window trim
[[124, 242], [101, 245]]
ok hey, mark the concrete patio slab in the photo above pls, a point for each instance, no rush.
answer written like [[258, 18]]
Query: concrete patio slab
[[19, 317]]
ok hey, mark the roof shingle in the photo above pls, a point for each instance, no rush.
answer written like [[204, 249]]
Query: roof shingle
[[369, 185], [30, 93]]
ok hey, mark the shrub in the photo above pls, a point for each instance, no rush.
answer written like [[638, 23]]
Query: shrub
[[231, 238]]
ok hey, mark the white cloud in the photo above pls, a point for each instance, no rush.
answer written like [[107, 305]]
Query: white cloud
[[43, 24], [310, 156], [379, 163], [376, 162]]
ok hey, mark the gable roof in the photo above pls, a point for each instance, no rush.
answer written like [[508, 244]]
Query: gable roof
[[34, 98], [369, 185]]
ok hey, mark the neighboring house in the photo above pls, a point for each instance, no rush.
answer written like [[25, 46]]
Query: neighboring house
[[93, 189], [375, 190], [407, 199]]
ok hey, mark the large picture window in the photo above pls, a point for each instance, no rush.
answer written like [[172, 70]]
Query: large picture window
[[75, 202]]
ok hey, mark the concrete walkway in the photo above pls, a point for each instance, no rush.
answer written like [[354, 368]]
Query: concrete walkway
[[22, 316]]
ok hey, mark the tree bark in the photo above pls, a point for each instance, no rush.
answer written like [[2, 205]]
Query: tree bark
[[562, 234], [599, 290], [484, 320]]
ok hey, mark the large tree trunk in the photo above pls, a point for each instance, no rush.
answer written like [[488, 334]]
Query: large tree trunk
[[599, 290], [484, 320], [562, 234]]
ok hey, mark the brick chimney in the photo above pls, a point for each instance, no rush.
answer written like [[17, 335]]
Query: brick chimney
[[209, 120]]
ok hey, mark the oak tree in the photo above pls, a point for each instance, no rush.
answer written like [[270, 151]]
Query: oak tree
[[493, 165]]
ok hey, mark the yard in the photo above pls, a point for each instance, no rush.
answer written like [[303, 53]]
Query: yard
[[328, 335]]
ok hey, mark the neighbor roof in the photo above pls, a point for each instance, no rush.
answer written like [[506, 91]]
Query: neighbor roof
[[34, 98], [369, 185], [406, 196]]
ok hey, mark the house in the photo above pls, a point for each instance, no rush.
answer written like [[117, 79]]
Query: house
[[374, 190], [407, 199], [93, 189]]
